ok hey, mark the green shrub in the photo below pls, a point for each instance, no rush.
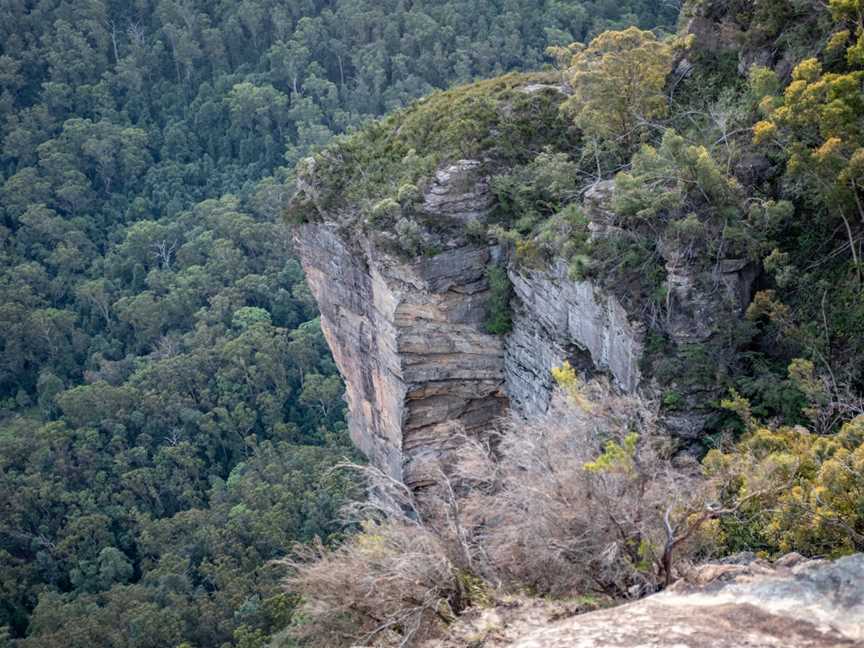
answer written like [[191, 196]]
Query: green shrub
[[798, 491], [672, 179], [534, 191], [384, 211], [498, 315]]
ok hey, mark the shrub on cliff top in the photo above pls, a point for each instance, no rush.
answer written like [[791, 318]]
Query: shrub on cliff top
[[392, 579], [619, 83], [585, 499], [674, 177], [588, 499], [507, 120], [534, 191]]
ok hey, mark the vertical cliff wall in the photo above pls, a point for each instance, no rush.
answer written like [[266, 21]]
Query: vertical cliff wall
[[557, 319], [408, 334], [409, 341]]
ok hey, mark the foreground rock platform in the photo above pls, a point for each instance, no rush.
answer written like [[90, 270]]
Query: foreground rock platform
[[793, 603]]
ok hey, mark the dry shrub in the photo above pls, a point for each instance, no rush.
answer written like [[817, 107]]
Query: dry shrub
[[392, 584], [392, 580], [586, 498]]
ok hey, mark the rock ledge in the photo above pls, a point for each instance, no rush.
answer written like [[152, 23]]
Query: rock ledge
[[793, 603]]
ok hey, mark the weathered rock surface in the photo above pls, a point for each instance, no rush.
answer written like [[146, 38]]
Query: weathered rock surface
[[699, 304], [697, 300], [556, 319], [791, 604], [459, 191], [723, 28], [409, 343], [408, 333]]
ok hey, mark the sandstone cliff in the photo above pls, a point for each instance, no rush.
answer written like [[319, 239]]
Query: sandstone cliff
[[409, 342], [407, 331], [793, 603]]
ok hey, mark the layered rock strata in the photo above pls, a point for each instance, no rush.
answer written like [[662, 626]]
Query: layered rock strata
[[408, 333], [408, 340], [557, 319]]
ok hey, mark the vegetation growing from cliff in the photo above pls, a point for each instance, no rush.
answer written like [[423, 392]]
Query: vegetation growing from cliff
[[523, 128], [498, 316], [687, 199], [812, 128], [811, 487], [692, 189]]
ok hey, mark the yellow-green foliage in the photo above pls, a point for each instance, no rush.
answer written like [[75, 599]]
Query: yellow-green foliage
[[618, 82], [801, 491], [616, 456], [849, 14], [817, 120], [671, 177], [566, 378], [815, 126], [475, 591]]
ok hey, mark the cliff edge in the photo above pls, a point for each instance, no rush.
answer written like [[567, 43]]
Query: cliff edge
[[398, 229], [793, 602]]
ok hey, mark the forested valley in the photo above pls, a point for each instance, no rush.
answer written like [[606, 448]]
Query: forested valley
[[169, 410]]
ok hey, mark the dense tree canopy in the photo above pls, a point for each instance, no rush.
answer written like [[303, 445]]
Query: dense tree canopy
[[168, 407]]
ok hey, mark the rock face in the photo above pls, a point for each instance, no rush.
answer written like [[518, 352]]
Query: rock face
[[556, 319], [815, 604], [409, 342], [408, 336], [792, 604], [459, 191], [408, 333], [698, 304]]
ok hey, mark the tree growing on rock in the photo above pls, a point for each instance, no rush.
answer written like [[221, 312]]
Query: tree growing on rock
[[816, 125], [618, 82]]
